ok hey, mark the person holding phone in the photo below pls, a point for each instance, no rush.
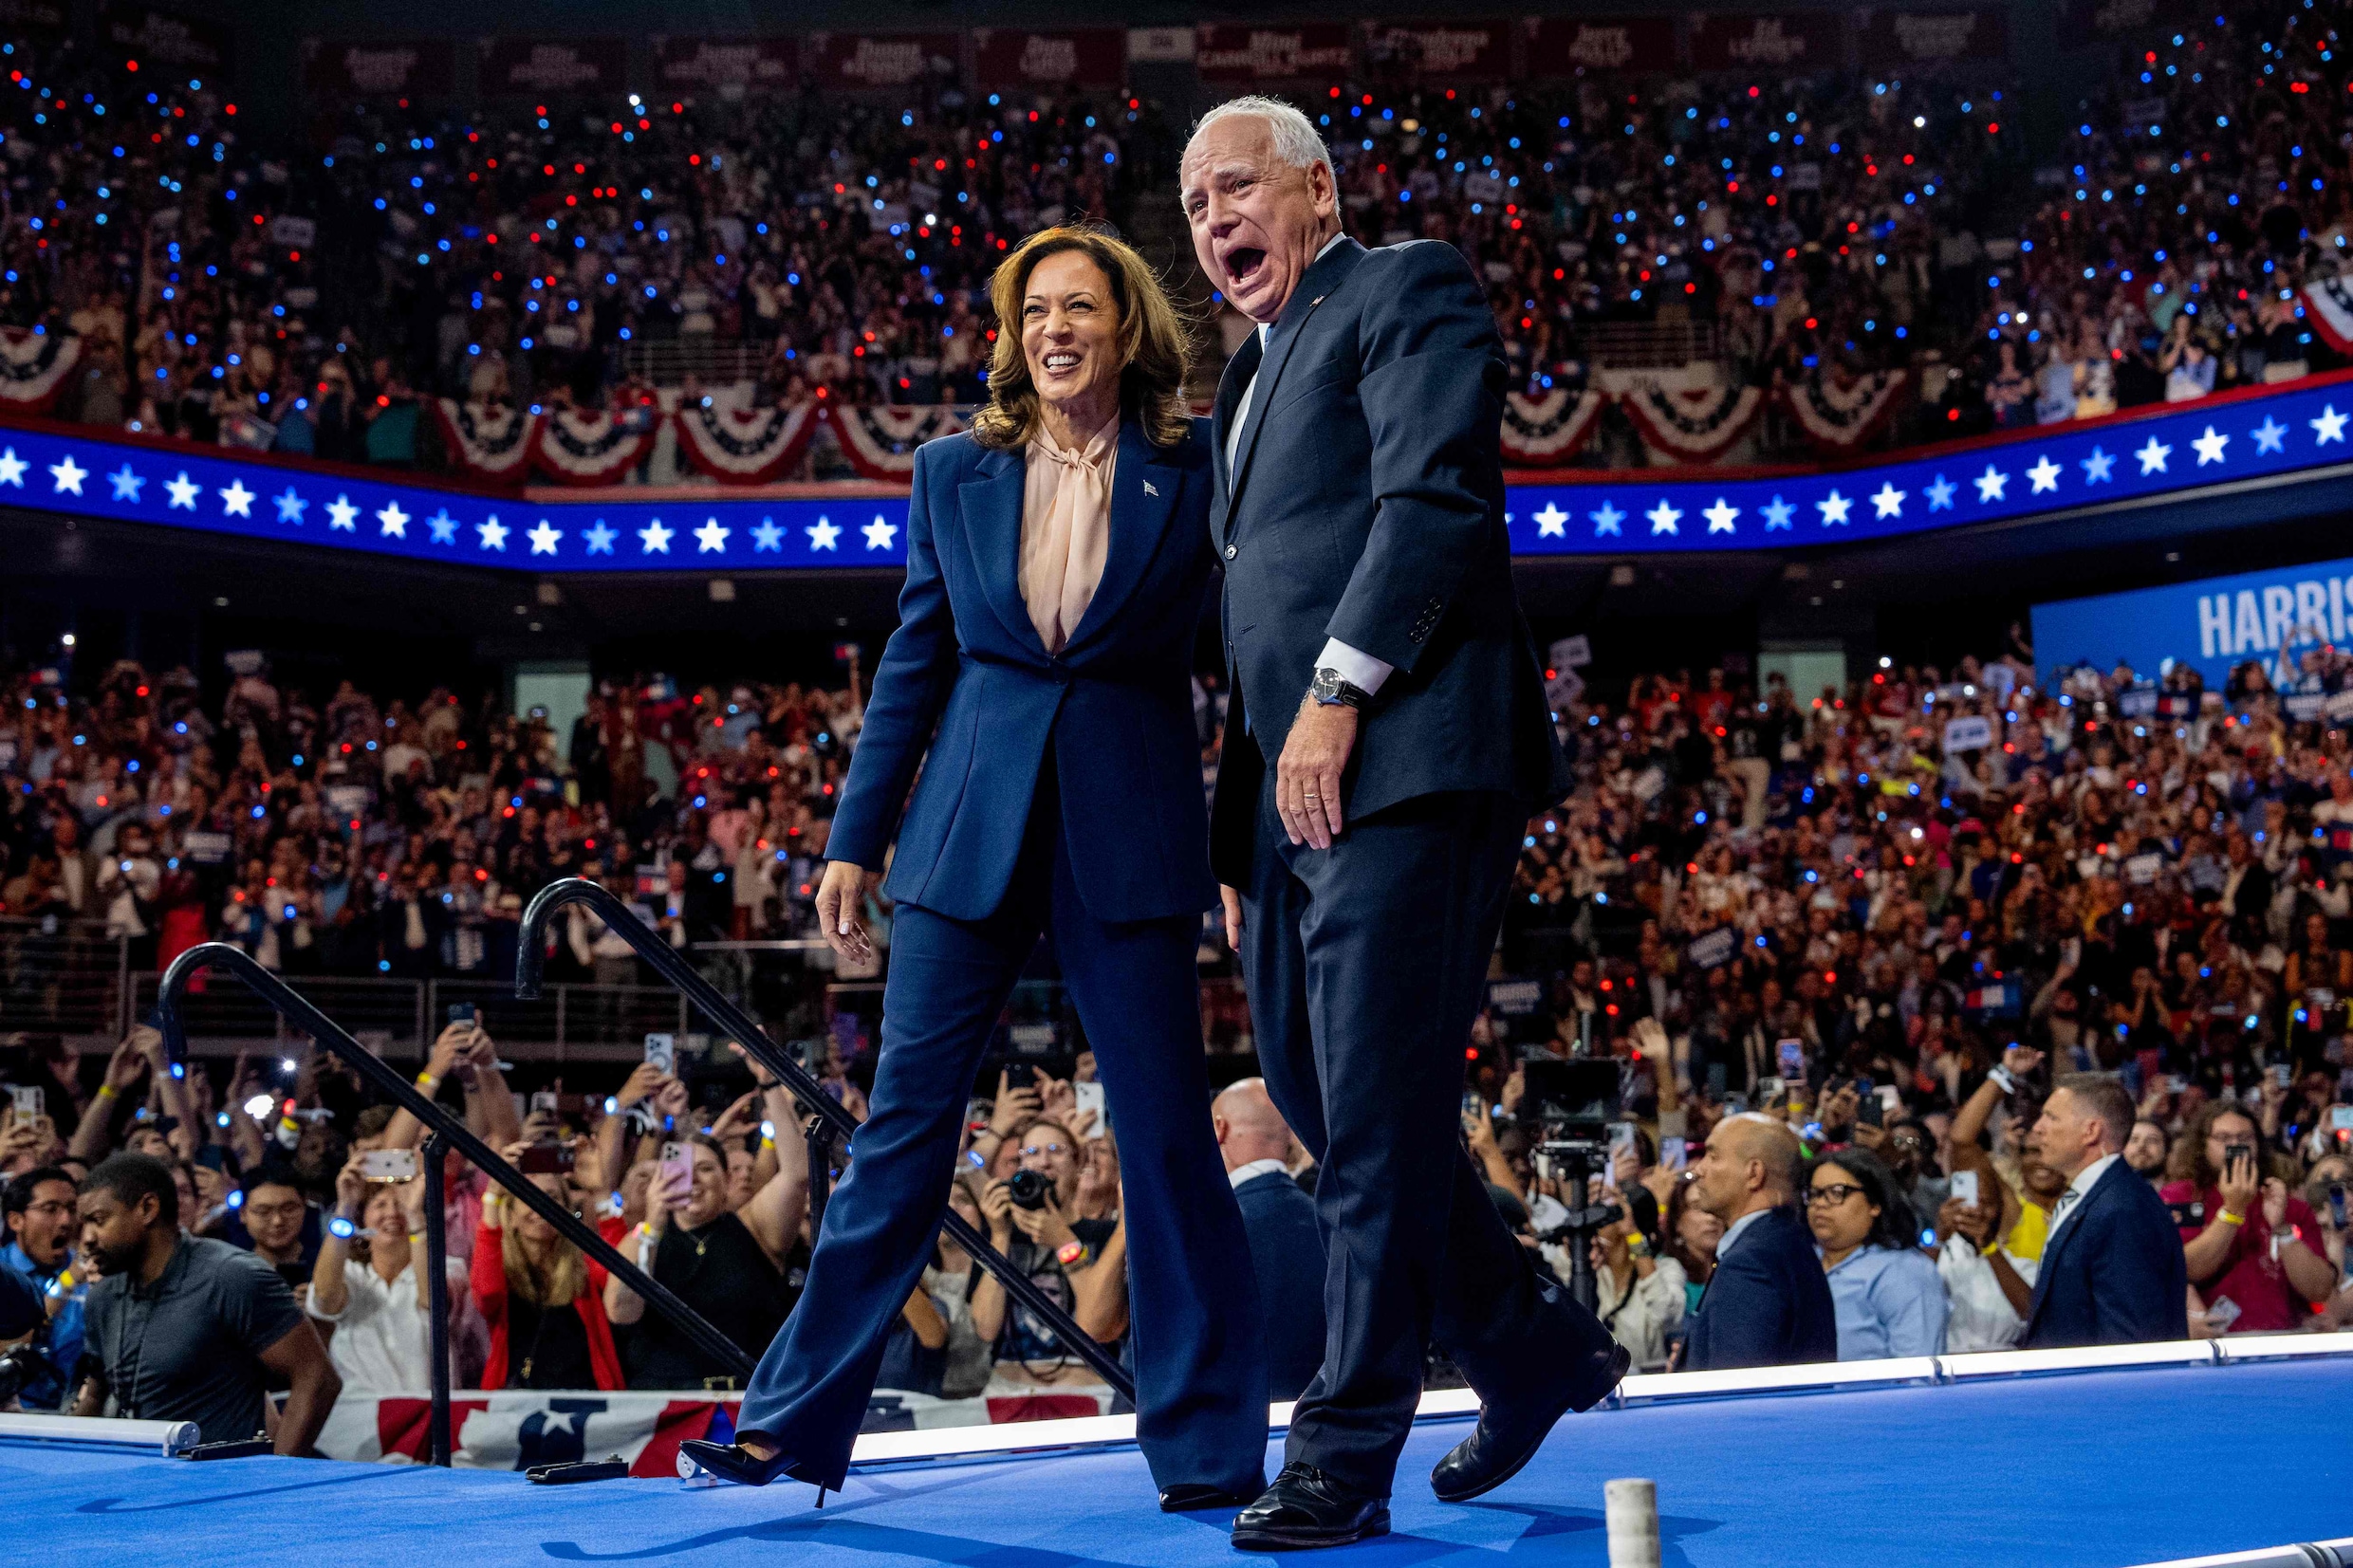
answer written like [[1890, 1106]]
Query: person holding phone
[[371, 1284], [728, 1267], [1041, 682], [2246, 1239], [542, 1299]]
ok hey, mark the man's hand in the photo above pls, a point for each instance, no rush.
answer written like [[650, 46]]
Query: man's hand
[[842, 911], [2239, 1184], [996, 1207], [1307, 779], [2276, 1204], [2021, 1060]]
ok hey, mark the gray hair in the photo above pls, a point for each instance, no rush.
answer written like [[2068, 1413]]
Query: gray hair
[[1296, 142]]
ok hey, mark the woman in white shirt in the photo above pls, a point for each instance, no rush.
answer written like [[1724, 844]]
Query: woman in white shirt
[[1639, 1289], [371, 1286]]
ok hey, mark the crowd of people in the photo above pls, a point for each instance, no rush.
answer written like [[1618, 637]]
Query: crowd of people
[[1880, 1007], [227, 289]]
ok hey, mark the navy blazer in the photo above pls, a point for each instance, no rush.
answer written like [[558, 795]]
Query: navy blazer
[[966, 677], [1286, 1254], [2113, 1274], [1366, 503], [1768, 1304]]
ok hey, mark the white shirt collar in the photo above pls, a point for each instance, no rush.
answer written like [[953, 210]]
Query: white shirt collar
[[1256, 1169], [2081, 1187], [1266, 330]]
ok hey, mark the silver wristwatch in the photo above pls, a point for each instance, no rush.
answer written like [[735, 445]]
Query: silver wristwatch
[[1329, 689]]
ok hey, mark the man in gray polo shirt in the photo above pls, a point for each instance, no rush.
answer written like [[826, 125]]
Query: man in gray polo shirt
[[190, 1329]]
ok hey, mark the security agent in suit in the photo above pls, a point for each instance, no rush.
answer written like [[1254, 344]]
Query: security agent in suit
[[1386, 741], [1768, 1302], [1286, 1245], [2112, 1270], [1060, 793]]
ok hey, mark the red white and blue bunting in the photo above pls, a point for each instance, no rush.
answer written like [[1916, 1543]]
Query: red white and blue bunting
[[34, 365], [594, 448], [745, 446], [2329, 305], [1839, 415], [2293, 433], [490, 441], [1547, 431], [1692, 425], [880, 440]]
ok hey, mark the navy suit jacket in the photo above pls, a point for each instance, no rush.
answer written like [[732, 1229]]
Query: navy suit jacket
[[1768, 1304], [2113, 1274], [1286, 1254], [966, 677], [1366, 503]]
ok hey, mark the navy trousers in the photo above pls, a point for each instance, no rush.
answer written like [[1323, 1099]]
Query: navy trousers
[[1200, 1369], [1366, 963]]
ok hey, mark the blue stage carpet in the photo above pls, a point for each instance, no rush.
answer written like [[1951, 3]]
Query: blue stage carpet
[[2098, 1469]]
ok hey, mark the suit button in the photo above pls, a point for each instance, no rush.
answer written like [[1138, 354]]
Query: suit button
[[1230, 551], [1059, 672]]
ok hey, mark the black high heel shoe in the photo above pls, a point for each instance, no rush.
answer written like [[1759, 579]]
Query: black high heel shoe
[[733, 1462]]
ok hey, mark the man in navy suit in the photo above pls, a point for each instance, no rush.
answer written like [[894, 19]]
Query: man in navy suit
[[1768, 1301], [1285, 1244], [1386, 741], [2112, 1270]]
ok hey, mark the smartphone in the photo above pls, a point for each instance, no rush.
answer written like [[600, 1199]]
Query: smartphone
[[1090, 1097], [544, 1100], [1472, 1103], [2336, 1204], [2280, 1074], [546, 1160], [2221, 1314], [1715, 1080], [1792, 1057], [389, 1165], [27, 1101], [2175, 1083], [661, 1051], [1021, 1075], [1871, 1111], [1674, 1154], [1965, 1187], [2341, 1118], [465, 1015], [677, 1168]]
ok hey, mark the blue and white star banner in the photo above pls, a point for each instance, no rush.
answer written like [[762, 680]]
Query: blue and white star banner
[[2146, 454], [58, 468], [2143, 455]]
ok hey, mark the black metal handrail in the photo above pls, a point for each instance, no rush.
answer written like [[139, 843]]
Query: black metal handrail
[[530, 962], [303, 1015]]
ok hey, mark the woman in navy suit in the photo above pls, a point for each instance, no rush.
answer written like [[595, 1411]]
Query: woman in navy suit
[[1056, 559]]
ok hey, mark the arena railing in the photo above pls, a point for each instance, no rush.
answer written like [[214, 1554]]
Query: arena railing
[[827, 1118], [447, 1130]]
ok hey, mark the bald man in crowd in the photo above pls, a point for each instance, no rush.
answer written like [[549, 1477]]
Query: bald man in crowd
[[1768, 1303], [1286, 1245]]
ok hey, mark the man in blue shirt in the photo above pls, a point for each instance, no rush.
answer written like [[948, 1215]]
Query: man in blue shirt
[[39, 1206]]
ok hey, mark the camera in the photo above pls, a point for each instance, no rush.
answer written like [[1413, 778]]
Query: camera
[[1030, 1189], [20, 1366]]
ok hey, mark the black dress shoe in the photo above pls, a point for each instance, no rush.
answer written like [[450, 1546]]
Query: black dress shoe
[[1189, 1496], [732, 1462], [1306, 1508], [1504, 1440]]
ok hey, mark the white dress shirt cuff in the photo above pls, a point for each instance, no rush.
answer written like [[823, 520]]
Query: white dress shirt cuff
[[1357, 668]]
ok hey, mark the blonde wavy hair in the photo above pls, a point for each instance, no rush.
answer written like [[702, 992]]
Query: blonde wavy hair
[[1155, 353]]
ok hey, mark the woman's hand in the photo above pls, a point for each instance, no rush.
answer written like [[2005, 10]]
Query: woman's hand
[[738, 1118], [1012, 1105], [842, 910], [1231, 899], [350, 1189], [1045, 1225], [643, 1080], [996, 1207], [2275, 1205]]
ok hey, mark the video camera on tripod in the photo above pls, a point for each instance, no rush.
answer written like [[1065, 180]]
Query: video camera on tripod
[[1570, 1105]]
